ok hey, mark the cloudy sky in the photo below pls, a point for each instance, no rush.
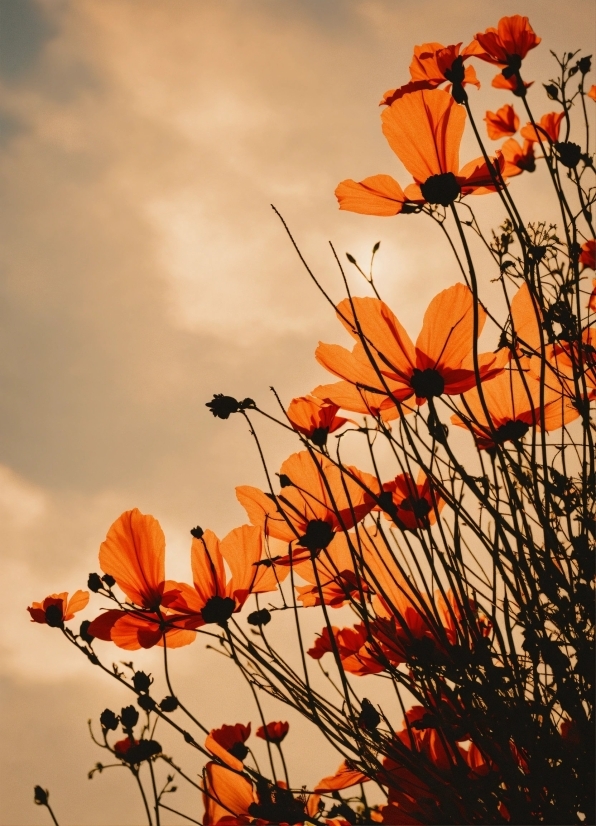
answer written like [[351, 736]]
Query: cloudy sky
[[142, 269]]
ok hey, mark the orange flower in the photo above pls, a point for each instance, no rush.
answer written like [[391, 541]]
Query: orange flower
[[356, 398], [316, 501], [432, 65], [214, 597], [513, 400], [511, 84], [508, 44], [592, 93], [412, 502], [566, 362], [57, 609], [314, 418], [441, 361], [227, 796], [354, 652], [273, 732], [343, 778], [518, 159], [547, 127], [502, 123], [133, 553], [587, 257], [424, 129]]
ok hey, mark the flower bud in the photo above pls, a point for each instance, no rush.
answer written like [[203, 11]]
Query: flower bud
[[129, 717], [40, 796], [109, 721], [94, 583], [142, 681]]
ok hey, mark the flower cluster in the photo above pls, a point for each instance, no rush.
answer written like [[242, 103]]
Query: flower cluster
[[458, 553]]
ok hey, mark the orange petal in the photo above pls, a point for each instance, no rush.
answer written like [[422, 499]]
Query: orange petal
[[446, 338], [343, 778], [227, 796], [377, 195], [424, 129], [134, 554], [263, 512], [77, 602]]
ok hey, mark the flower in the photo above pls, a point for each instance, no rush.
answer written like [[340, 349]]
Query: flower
[[518, 158], [502, 123], [424, 128], [229, 740], [317, 500], [592, 93], [432, 65], [213, 598], [353, 647], [511, 84], [273, 732], [57, 609], [587, 256], [441, 362], [314, 418], [548, 127], [514, 402], [592, 299], [508, 44], [413, 504], [227, 796], [133, 554], [343, 778]]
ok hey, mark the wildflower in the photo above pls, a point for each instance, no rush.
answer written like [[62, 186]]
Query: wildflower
[[441, 362], [231, 739], [518, 158], [222, 406], [136, 751], [587, 256], [345, 777], [227, 796], [424, 128], [353, 647], [133, 554], [592, 93], [511, 84], [213, 598], [506, 47], [314, 418], [413, 504], [502, 123], [548, 127], [57, 609], [273, 732], [432, 65], [320, 500], [514, 404]]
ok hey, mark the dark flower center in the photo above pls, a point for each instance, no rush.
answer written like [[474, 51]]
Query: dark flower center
[[427, 383], [54, 616], [511, 431], [259, 618], [239, 750], [318, 535], [319, 436], [369, 718], [218, 609], [440, 189], [569, 154], [143, 750], [419, 507], [276, 805], [527, 162]]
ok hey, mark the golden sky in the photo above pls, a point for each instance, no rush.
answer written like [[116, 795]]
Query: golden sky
[[142, 270]]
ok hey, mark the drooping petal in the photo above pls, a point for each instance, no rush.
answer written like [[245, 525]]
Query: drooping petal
[[377, 195], [350, 397], [343, 778]]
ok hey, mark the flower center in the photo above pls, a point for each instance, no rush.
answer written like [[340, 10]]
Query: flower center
[[427, 383], [441, 189], [218, 609], [511, 431], [318, 535]]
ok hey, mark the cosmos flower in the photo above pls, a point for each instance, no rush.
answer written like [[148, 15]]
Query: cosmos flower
[[518, 158], [273, 732], [314, 418], [414, 506], [503, 123], [548, 127], [57, 609]]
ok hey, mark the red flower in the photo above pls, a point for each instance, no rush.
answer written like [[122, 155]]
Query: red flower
[[508, 44], [122, 747], [441, 361], [502, 123], [548, 128], [273, 732], [57, 608], [587, 257], [317, 500], [518, 159], [413, 502], [314, 418], [227, 743]]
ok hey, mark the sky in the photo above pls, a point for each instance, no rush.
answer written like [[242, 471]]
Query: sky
[[142, 269]]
